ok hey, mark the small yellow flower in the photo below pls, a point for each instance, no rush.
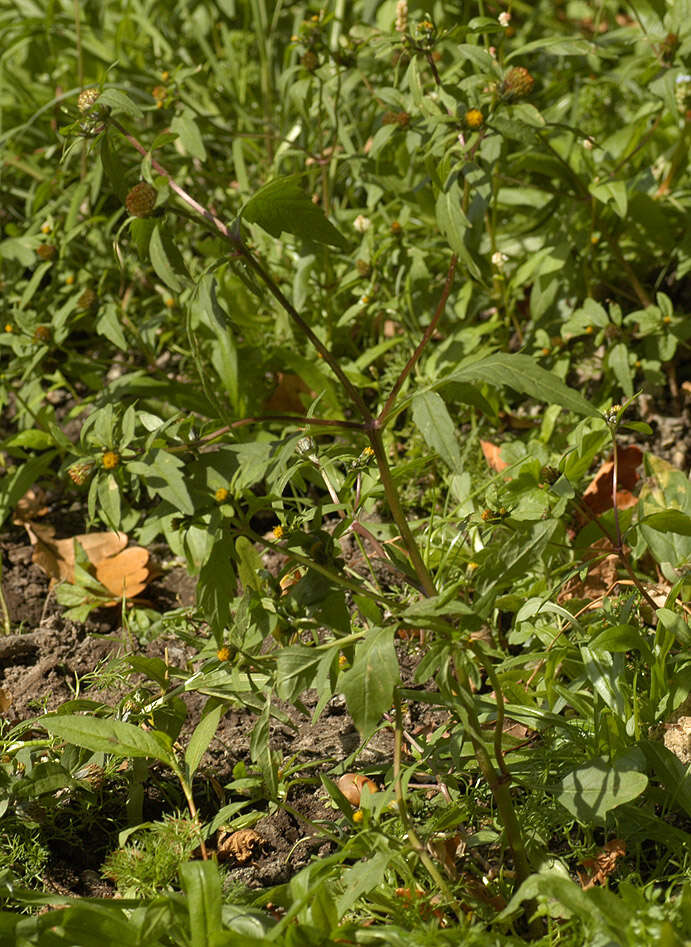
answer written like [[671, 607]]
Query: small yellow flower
[[589, 330], [472, 566], [395, 227], [110, 459], [358, 816], [343, 662], [368, 451], [9, 327], [223, 653], [46, 228], [69, 279], [474, 118], [221, 495], [169, 302], [278, 532], [165, 76]]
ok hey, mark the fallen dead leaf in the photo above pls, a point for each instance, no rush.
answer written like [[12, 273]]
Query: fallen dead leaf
[[600, 577], [493, 456], [57, 556], [287, 397], [241, 845], [122, 571], [126, 573], [31, 505], [5, 700], [598, 869], [598, 494]]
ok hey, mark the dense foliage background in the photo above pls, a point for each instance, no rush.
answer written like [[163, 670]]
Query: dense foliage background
[[376, 315]]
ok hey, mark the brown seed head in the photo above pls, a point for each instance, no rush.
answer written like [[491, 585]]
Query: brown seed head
[[517, 83], [47, 251], [141, 199]]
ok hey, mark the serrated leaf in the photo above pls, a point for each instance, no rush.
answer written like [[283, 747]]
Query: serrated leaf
[[119, 102], [432, 418], [109, 736], [281, 206], [523, 374], [368, 685]]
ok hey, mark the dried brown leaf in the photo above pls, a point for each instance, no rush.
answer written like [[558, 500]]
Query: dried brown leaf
[[57, 556], [598, 494], [289, 395], [493, 456], [598, 869], [126, 573], [242, 845]]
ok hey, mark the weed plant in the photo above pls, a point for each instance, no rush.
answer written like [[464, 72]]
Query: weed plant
[[272, 274]]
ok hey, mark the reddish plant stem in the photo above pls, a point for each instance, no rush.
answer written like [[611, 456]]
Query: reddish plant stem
[[233, 236], [415, 357]]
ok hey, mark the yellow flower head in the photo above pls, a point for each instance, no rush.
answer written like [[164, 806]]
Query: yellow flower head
[[474, 118], [110, 459], [278, 532], [221, 495], [223, 653]]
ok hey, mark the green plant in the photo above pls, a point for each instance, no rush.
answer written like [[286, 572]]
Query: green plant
[[455, 219]]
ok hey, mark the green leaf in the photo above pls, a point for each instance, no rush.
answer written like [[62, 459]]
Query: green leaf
[[296, 668], [14, 484], [119, 102], [165, 258], [671, 772], [162, 473], [669, 521], [432, 418], [201, 883], [249, 563], [109, 736], [590, 791], [33, 439], [203, 735], [190, 136], [613, 192], [282, 206], [523, 374], [362, 878], [368, 685], [618, 360]]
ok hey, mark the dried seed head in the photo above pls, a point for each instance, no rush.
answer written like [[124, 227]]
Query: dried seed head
[[401, 16], [87, 98], [42, 334], [79, 472], [309, 61], [517, 83], [87, 300], [141, 199], [47, 251]]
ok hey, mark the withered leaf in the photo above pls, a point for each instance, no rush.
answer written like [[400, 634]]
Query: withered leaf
[[598, 494]]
